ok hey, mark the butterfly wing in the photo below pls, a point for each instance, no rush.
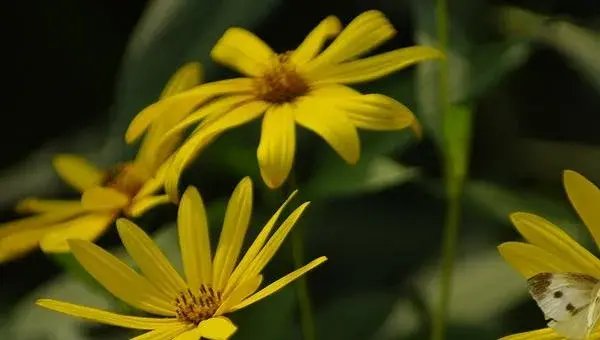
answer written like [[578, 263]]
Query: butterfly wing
[[565, 299], [594, 311]]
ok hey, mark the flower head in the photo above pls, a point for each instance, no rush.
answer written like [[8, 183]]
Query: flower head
[[215, 284], [303, 86], [125, 189], [549, 250]]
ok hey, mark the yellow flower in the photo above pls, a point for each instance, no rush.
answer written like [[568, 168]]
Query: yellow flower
[[303, 86], [129, 188], [551, 250], [216, 285]]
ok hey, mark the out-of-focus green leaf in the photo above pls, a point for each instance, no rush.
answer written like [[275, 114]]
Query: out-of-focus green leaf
[[580, 45], [333, 177], [170, 33], [270, 319], [457, 134]]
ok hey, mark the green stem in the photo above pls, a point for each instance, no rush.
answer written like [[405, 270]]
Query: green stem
[[306, 317], [307, 322]]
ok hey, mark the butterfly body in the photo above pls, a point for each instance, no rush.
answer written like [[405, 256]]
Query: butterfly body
[[570, 301]]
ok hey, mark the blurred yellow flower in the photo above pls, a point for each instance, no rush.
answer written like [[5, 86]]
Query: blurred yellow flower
[[129, 188], [303, 86], [215, 286], [551, 250]]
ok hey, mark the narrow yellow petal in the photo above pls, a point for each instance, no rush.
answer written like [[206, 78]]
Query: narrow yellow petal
[[282, 282], [152, 262], [218, 106], [255, 248], [545, 235], [218, 328], [235, 225], [77, 171], [313, 43], [194, 239], [585, 198], [239, 293], [165, 333], [184, 101], [102, 198], [105, 317], [277, 145], [530, 260], [38, 221], [186, 77], [86, 227], [34, 205], [19, 243], [204, 136], [243, 51], [540, 334], [141, 206], [377, 112], [271, 247], [154, 184], [332, 124], [366, 32], [371, 68], [119, 279]]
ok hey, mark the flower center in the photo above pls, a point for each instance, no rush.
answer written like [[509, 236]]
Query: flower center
[[126, 178], [280, 83], [193, 307]]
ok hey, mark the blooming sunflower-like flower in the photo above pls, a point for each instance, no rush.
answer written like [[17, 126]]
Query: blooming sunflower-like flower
[[215, 285], [550, 250], [129, 188], [303, 86]]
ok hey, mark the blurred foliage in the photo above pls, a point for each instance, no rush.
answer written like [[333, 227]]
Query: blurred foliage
[[83, 69]]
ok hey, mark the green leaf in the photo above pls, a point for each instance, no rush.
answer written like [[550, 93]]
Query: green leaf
[[580, 45]]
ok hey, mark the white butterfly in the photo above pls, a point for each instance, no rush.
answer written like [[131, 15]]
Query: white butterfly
[[571, 301]]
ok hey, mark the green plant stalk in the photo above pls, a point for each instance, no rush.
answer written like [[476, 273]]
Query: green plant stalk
[[307, 321]]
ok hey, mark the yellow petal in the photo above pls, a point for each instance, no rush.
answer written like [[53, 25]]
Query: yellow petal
[[218, 106], [282, 282], [184, 101], [86, 227], [105, 317], [366, 32], [585, 198], [151, 261], [239, 293], [547, 236], [186, 77], [314, 41], [377, 112], [77, 171], [102, 198], [19, 243], [204, 136], [235, 225], [277, 145], [141, 206], [243, 51], [530, 260], [271, 247], [367, 69], [42, 220], [34, 205], [194, 239], [219, 328], [119, 279], [540, 334], [256, 246], [332, 124], [165, 333]]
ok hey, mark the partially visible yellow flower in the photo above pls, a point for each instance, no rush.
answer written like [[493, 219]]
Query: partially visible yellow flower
[[215, 284], [551, 250], [303, 86], [129, 188]]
